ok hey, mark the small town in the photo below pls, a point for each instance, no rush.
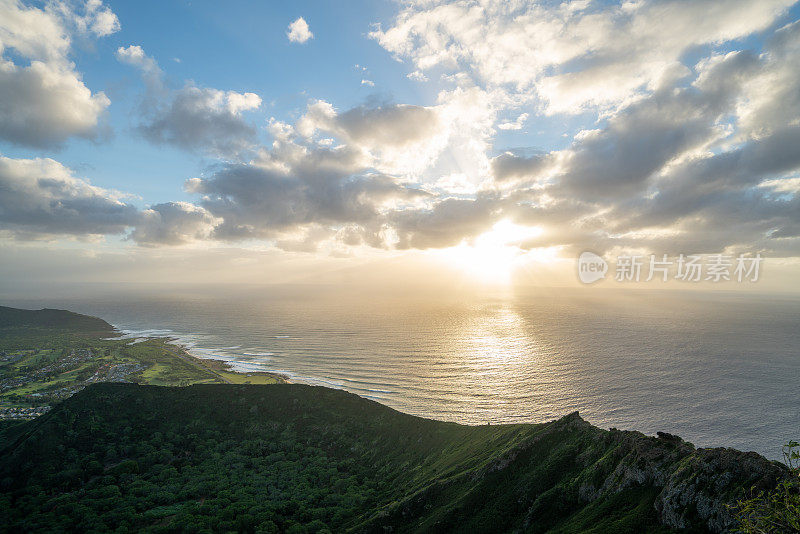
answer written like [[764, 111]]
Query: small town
[[27, 391]]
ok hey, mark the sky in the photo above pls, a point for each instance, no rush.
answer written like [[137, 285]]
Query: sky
[[267, 142]]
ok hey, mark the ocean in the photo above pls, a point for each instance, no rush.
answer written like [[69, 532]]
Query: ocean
[[718, 369]]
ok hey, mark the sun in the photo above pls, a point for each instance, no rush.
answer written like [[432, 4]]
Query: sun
[[492, 256]]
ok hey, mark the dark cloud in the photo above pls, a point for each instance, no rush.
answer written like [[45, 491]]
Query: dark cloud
[[172, 223], [620, 159], [192, 118], [510, 165], [324, 187], [447, 223], [201, 119], [390, 125], [40, 197]]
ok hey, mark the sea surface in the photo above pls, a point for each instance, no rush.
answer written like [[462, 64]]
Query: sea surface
[[718, 369]]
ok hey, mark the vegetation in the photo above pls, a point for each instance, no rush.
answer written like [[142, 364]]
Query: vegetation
[[54, 320], [778, 510], [250, 457], [294, 458], [48, 355]]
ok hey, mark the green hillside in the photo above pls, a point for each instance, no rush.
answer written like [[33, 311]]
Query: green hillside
[[52, 319], [297, 458]]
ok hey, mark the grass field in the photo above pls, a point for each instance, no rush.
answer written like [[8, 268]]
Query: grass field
[[41, 364]]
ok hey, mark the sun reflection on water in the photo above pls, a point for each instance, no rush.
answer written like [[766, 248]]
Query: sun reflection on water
[[497, 353]]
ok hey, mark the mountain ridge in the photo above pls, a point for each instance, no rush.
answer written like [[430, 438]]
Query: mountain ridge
[[310, 458], [52, 318]]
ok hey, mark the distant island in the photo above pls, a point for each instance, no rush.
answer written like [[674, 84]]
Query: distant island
[[279, 457]]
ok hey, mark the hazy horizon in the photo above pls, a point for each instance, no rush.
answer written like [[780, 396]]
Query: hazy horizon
[[716, 368]]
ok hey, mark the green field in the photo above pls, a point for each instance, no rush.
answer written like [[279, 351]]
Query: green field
[[48, 355]]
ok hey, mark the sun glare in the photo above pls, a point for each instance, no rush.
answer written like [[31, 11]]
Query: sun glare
[[493, 255]]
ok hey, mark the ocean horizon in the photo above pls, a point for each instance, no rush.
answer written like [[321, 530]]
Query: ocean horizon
[[718, 369]]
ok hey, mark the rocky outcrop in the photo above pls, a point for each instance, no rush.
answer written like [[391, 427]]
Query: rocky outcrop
[[698, 486], [704, 485]]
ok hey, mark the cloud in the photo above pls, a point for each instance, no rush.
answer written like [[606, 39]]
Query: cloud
[[637, 142], [378, 126], [772, 98], [568, 56], [511, 165], [42, 198], [90, 17], [678, 171], [203, 119], [447, 223], [299, 32], [173, 223], [295, 188], [192, 118], [134, 55], [43, 100], [393, 138], [308, 188], [368, 83], [664, 176], [687, 144], [725, 181], [516, 125]]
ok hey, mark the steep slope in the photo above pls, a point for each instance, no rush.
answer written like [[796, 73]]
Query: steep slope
[[310, 459]]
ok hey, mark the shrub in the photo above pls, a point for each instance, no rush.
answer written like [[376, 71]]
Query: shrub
[[776, 511]]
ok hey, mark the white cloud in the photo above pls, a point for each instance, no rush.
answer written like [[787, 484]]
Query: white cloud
[[134, 55], [771, 99], [299, 32], [516, 125], [238, 102], [421, 143], [87, 17], [569, 59], [192, 118], [394, 139], [368, 83], [44, 102]]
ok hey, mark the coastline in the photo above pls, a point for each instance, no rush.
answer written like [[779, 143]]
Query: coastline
[[48, 355], [224, 370]]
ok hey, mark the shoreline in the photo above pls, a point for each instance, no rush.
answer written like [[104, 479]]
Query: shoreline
[[222, 369]]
